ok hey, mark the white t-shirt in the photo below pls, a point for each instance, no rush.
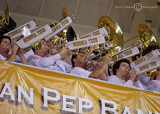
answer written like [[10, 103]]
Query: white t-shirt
[[26, 55], [61, 66], [128, 83], [3, 58], [80, 71], [154, 85], [144, 79], [43, 62]]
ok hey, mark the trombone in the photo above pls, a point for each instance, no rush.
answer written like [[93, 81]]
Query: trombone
[[146, 38], [60, 39], [114, 38], [145, 34]]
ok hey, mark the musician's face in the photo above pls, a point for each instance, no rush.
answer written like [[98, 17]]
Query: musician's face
[[4, 44], [124, 69], [44, 46], [81, 58], [158, 73]]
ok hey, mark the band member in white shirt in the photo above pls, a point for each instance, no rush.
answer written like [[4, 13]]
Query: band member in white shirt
[[5, 47], [39, 58], [154, 85], [123, 75], [63, 64], [79, 64], [144, 79], [26, 52]]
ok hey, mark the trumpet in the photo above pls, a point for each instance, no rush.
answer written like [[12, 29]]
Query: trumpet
[[8, 47]]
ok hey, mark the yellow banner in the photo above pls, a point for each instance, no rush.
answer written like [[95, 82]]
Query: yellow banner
[[26, 90]]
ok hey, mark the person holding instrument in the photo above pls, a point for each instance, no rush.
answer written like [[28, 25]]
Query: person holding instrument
[[39, 58], [5, 47], [144, 79], [79, 64], [154, 85], [124, 75], [63, 64]]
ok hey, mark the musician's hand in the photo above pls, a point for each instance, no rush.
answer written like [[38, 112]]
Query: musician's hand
[[91, 48], [94, 63], [13, 41], [20, 52], [88, 53], [52, 51], [23, 51], [64, 51], [133, 76], [15, 48], [107, 59], [158, 74]]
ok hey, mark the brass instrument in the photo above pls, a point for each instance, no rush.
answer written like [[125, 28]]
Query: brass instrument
[[115, 37], [66, 33], [37, 45], [58, 41], [151, 73], [64, 36], [55, 40], [147, 38], [5, 25], [5, 19], [146, 35]]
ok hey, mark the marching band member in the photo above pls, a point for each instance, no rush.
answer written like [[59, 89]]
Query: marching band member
[[39, 59], [5, 44], [154, 85], [86, 51], [26, 52], [123, 75], [62, 64], [149, 49], [109, 71], [144, 79], [79, 64]]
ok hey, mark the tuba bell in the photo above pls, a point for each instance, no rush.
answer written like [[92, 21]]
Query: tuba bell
[[6, 22], [114, 37], [146, 35], [147, 38]]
